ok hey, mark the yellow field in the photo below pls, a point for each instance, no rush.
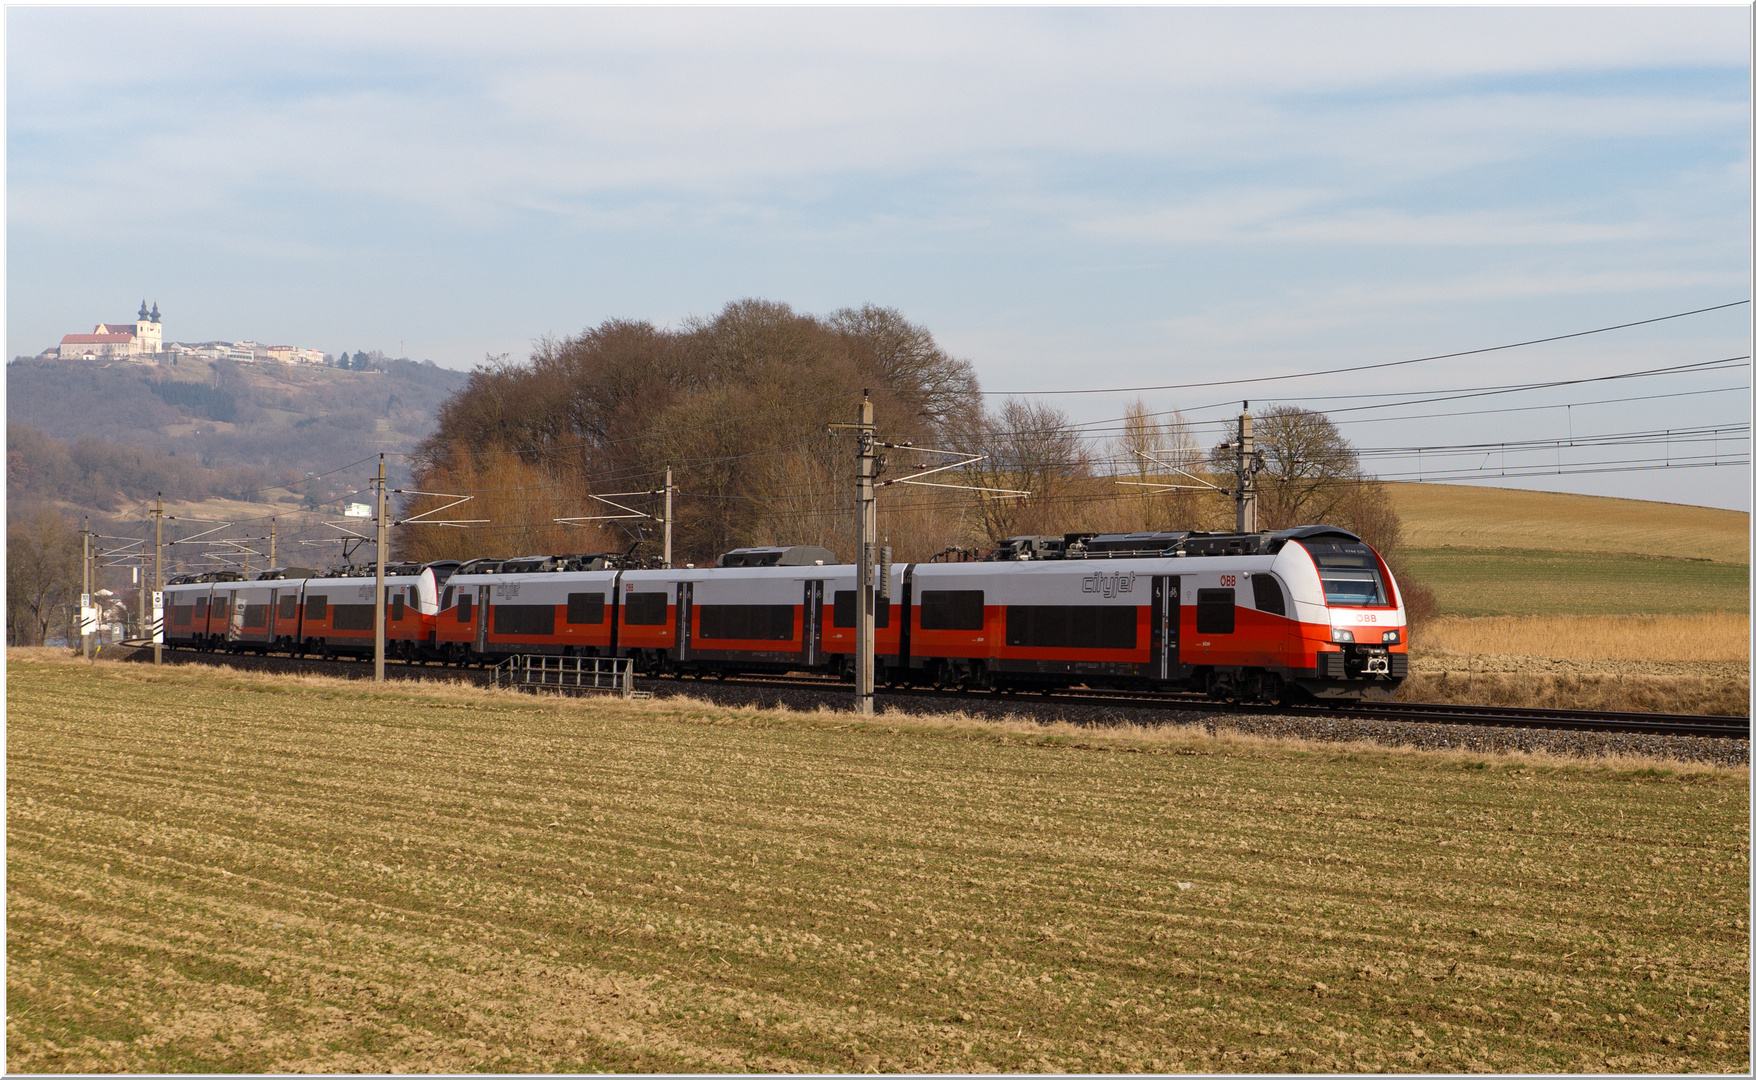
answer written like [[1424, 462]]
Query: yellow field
[[1662, 663], [1684, 638], [211, 871], [1447, 515]]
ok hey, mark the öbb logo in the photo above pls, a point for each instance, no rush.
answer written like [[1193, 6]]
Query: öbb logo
[[1108, 584]]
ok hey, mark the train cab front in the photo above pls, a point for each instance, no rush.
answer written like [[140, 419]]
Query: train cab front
[[1357, 647]]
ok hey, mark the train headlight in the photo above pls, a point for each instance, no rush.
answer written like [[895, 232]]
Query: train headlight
[[1336, 633], [1391, 637]]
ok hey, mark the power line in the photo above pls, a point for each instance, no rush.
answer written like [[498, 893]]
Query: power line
[[1365, 367]]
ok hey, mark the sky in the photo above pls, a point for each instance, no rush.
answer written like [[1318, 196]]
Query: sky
[[1070, 199]]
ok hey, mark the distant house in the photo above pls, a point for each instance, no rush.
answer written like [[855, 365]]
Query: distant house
[[140, 342]]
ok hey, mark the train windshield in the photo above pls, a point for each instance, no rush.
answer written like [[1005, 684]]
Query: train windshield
[[1349, 572]]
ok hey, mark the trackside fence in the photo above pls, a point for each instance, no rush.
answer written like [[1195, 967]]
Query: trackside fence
[[568, 675]]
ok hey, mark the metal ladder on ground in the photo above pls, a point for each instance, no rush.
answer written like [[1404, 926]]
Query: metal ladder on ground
[[568, 675]]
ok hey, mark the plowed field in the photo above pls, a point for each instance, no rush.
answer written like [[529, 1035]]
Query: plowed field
[[213, 871]]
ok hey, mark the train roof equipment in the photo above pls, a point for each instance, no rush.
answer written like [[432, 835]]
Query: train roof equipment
[[1160, 545], [796, 555]]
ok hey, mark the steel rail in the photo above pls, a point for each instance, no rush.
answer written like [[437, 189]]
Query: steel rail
[[1709, 726]]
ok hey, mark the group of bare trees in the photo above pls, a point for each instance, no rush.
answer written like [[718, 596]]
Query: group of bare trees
[[740, 406], [43, 575]]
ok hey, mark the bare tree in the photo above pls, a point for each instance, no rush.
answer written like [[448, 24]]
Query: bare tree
[[1030, 447], [1310, 469], [42, 575], [935, 388], [1151, 450]]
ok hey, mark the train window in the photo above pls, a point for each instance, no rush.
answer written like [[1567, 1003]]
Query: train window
[[645, 609], [1268, 597], [256, 616], [201, 607], [524, 619], [746, 622], [1215, 611], [1087, 626], [316, 607], [952, 610], [396, 606], [353, 617], [585, 608], [445, 601], [182, 616], [289, 607], [464, 603], [1349, 572], [844, 611], [218, 610]]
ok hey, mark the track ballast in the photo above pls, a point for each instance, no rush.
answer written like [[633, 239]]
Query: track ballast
[[1720, 727]]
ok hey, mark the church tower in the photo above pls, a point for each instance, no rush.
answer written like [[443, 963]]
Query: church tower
[[148, 334]]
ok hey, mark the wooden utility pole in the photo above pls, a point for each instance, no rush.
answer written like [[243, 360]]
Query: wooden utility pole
[[378, 593], [271, 563], [667, 517]]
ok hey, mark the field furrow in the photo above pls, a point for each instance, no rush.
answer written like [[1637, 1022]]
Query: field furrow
[[218, 871]]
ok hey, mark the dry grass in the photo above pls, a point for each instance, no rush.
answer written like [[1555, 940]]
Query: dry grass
[[219, 871], [1441, 515], [1638, 692], [1714, 637], [1628, 663]]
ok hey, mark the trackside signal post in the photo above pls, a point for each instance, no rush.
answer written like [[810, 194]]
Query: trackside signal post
[[872, 578], [85, 588], [378, 600], [667, 517], [158, 579], [866, 527], [1248, 462], [1248, 467]]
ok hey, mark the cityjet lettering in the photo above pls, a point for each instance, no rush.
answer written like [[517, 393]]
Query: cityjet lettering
[[1108, 584]]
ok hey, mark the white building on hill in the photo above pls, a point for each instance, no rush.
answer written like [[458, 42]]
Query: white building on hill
[[144, 341], [140, 342]]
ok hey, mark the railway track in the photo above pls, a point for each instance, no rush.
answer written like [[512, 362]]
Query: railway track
[[1722, 727]]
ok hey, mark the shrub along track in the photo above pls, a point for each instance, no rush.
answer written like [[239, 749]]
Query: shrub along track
[[1721, 739]]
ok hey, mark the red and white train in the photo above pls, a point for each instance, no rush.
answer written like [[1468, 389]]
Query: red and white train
[[1310, 612]]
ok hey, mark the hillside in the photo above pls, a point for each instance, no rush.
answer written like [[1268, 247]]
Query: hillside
[[1495, 551], [1439, 515], [287, 420]]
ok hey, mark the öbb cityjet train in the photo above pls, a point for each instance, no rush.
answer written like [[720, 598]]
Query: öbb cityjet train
[[1307, 612]]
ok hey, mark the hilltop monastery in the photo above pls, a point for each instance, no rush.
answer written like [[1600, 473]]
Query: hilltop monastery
[[143, 343]]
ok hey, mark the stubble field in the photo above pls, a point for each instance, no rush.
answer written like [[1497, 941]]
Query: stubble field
[[216, 871], [1630, 663]]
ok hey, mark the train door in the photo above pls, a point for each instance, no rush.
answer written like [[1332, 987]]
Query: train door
[[615, 615], [273, 614], [1166, 618], [484, 593], [813, 622], [685, 602], [908, 597]]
